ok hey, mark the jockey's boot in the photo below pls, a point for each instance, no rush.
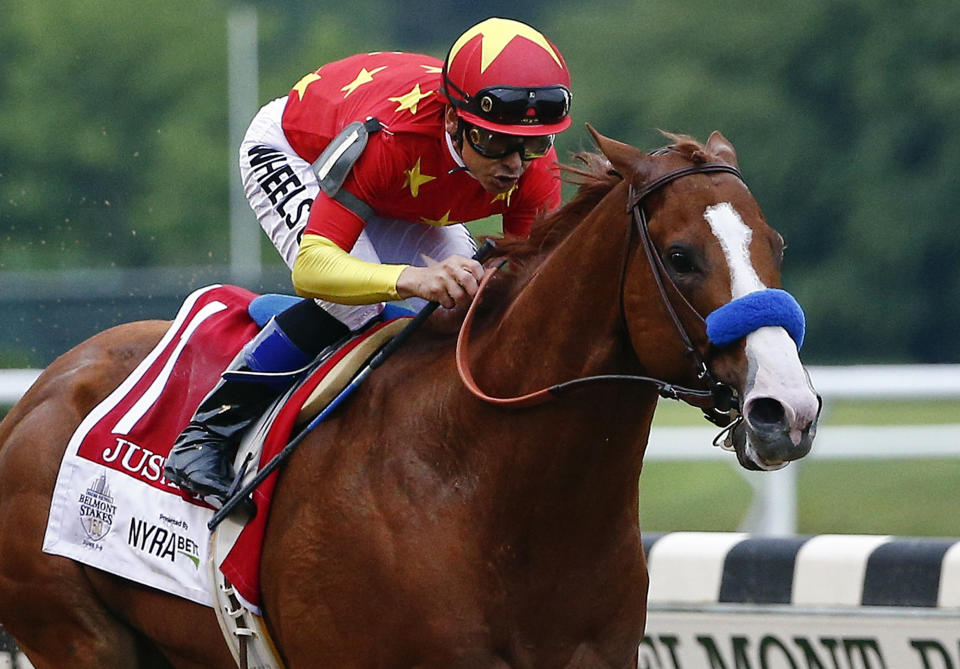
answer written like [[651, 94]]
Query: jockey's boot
[[201, 460]]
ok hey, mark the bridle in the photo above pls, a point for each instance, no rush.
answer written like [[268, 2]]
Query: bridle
[[725, 401], [718, 401]]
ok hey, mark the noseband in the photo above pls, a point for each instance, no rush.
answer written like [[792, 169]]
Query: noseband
[[719, 402]]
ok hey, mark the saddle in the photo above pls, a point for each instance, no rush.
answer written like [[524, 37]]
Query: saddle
[[240, 621]]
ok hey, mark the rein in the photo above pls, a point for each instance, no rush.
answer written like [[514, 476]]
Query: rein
[[719, 403]]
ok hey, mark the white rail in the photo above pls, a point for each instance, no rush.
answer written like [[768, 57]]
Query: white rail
[[14, 383], [773, 510]]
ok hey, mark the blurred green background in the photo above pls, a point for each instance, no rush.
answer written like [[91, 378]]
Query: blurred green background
[[114, 152], [115, 170]]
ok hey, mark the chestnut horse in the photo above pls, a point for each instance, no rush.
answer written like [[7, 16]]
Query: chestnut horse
[[423, 526]]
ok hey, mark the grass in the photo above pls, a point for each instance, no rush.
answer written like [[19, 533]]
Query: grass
[[692, 496], [490, 225], [900, 497]]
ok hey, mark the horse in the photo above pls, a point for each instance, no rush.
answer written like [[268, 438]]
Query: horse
[[471, 508]]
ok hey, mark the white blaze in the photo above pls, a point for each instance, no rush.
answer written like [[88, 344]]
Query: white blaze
[[774, 367], [734, 238]]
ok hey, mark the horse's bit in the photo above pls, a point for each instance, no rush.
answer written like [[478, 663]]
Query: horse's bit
[[719, 404]]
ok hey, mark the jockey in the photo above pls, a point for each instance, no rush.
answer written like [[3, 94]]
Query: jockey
[[362, 177]]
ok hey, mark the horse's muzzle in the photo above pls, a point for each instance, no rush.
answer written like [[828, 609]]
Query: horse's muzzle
[[774, 432]]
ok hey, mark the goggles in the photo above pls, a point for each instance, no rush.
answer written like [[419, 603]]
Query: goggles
[[514, 105], [491, 144], [510, 105]]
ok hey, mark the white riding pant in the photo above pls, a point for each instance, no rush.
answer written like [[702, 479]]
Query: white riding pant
[[280, 186]]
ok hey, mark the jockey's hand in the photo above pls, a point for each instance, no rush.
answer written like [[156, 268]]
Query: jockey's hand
[[451, 282]]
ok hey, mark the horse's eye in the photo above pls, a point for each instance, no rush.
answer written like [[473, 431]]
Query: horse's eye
[[681, 262]]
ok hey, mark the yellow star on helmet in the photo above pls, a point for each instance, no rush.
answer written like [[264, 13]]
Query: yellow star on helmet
[[497, 34], [443, 220], [364, 77], [410, 100], [505, 196], [301, 86], [415, 179], [432, 69]]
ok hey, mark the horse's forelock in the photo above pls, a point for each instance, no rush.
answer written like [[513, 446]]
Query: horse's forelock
[[688, 147]]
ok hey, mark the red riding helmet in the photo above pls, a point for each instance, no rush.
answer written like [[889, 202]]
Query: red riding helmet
[[505, 76]]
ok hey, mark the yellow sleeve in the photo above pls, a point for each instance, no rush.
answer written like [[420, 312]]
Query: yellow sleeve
[[322, 269]]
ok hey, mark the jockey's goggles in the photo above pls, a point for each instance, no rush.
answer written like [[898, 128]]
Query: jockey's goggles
[[515, 105], [491, 144]]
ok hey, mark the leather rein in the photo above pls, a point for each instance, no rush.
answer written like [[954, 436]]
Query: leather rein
[[718, 402]]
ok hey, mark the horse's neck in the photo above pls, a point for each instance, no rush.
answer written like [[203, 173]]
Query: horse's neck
[[566, 323]]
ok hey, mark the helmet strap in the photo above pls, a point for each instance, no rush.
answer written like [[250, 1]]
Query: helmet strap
[[461, 135], [456, 139]]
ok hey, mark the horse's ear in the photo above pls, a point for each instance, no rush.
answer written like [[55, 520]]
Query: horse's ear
[[626, 159], [721, 147]]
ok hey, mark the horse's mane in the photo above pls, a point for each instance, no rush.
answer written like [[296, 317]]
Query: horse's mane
[[594, 177]]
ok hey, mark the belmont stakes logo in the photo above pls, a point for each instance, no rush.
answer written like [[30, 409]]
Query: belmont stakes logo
[[97, 509]]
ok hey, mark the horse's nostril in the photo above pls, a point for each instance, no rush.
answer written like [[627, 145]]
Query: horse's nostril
[[766, 411]]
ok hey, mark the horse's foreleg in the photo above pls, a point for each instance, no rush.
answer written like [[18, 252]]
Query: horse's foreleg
[[46, 602], [60, 623]]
